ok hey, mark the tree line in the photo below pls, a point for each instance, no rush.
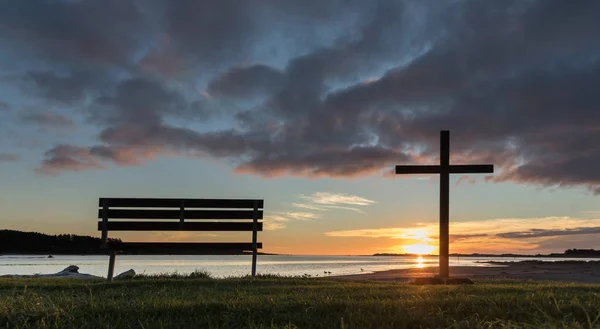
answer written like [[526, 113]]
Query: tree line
[[24, 243], [18, 242]]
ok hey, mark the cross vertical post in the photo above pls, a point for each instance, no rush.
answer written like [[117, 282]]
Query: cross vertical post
[[444, 239], [444, 169]]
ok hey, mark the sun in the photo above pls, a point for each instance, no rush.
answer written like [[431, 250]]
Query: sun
[[419, 249]]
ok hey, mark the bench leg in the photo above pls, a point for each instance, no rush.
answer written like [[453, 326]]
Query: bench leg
[[254, 262], [254, 237], [111, 266]]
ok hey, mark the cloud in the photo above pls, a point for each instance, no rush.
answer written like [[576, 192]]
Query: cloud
[[199, 34], [9, 157], [4, 106], [246, 81], [68, 157], [338, 89], [325, 201], [49, 120], [274, 221], [296, 215], [68, 31], [348, 208], [536, 233], [308, 206], [273, 225], [463, 237], [63, 87], [134, 128], [589, 241], [319, 202], [326, 198]]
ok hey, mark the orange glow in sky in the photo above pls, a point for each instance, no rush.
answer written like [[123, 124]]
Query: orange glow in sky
[[419, 249]]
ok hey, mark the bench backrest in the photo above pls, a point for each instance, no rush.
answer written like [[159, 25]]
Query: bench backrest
[[181, 215]]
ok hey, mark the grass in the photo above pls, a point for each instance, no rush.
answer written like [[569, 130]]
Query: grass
[[178, 301]]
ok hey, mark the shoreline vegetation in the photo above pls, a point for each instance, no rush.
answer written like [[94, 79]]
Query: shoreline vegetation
[[34, 243]]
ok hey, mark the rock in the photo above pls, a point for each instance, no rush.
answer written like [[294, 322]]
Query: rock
[[126, 275], [50, 256], [71, 269]]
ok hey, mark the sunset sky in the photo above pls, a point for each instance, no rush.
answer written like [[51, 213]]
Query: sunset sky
[[309, 105]]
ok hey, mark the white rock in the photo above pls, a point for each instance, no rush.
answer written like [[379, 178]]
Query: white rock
[[126, 275]]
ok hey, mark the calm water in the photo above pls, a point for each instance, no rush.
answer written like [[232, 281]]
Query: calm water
[[222, 266]]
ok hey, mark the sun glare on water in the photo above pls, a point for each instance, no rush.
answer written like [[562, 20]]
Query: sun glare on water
[[420, 262]]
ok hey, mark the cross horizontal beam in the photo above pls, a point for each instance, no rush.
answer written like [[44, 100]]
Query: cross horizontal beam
[[452, 169], [472, 169]]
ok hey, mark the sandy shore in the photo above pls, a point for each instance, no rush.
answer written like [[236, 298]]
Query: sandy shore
[[588, 272]]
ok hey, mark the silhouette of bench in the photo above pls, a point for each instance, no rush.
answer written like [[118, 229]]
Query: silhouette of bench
[[182, 215]]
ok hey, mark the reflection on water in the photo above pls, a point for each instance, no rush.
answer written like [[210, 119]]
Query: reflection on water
[[239, 265], [420, 262]]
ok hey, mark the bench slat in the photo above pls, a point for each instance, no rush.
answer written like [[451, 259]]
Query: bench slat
[[176, 203], [161, 247], [176, 226], [176, 214]]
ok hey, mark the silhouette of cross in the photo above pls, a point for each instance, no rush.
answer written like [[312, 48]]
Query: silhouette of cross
[[444, 169]]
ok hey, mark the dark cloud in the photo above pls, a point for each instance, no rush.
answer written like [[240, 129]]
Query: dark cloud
[[4, 106], [337, 88], [202, 33], [539, 233], [589, 241], [137, 100], [106, 32], [208, 34], [8, 157], [134, 125], [68, 157], [64, 88], [49, 119], [346, 162], [462, 237], [246, 81]]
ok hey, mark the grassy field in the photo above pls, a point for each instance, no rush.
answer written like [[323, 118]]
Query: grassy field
[[271, 302]]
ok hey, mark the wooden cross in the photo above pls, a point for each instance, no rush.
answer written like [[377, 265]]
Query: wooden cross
[[444, 169]]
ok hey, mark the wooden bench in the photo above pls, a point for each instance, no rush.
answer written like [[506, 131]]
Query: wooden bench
[[183, 215]]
